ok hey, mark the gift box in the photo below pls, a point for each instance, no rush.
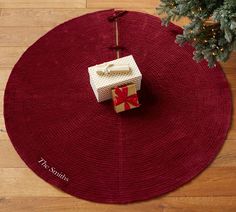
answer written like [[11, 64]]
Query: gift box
[[105, 76], [125, 98]]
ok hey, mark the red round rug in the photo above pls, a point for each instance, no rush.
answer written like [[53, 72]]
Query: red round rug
[[83, 147]]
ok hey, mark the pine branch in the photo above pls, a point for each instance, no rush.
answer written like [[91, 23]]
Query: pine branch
[[212, 30]]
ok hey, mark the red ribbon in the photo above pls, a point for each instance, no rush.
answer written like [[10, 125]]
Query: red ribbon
[[122, 97]]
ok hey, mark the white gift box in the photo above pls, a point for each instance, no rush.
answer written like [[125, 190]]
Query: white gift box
[[102, 84]]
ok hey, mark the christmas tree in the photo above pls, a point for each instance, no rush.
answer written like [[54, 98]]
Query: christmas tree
[[212, 27]]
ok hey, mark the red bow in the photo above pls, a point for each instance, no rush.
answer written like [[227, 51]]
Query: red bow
[[122, 97]]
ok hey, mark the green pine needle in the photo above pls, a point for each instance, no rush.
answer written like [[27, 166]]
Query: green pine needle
[[212, 27]]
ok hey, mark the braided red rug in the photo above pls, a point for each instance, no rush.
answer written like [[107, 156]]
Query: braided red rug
[[83, 147]]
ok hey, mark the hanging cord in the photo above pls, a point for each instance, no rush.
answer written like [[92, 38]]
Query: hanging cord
[[117, 40], [114, 18]]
